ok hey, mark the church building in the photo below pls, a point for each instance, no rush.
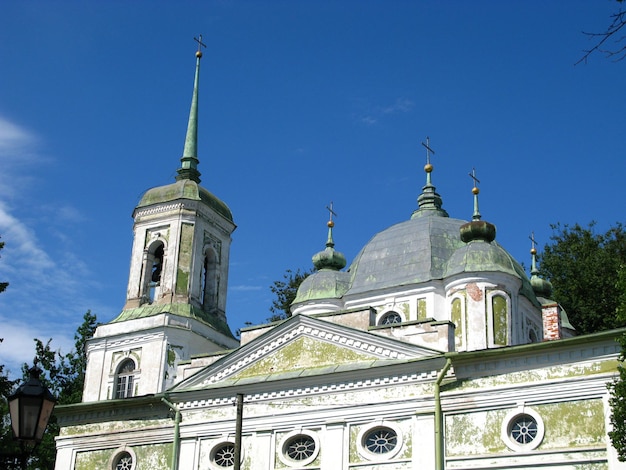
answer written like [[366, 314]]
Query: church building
[[433, 349]]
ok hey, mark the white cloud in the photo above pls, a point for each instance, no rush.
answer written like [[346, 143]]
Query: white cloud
[[49, 283], [371, 115], [245, 288], [18, 345], [402, 105], [14, 138]]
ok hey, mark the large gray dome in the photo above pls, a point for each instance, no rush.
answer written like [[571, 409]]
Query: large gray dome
[[407, 253]]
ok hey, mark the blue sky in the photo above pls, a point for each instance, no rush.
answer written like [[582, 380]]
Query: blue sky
[[301, 103]]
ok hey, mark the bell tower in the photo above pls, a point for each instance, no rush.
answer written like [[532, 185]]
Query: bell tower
[[176, 297]]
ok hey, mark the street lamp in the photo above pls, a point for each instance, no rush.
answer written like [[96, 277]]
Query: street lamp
[[30, 408]]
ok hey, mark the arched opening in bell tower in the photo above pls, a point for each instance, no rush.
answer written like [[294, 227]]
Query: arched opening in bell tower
[[154, 258], [209, 282]]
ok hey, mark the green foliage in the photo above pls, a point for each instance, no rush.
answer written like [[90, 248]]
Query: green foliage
[[9, 449], [64, 375], [583, 266], [286, 291], [618, 387]]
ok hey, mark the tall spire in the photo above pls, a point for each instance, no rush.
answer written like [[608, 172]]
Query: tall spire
[[429, 202], [189, 161]]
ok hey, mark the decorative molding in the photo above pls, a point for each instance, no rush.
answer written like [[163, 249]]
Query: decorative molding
[[107, 344], [312, 332], [159, 209], [358, 385]]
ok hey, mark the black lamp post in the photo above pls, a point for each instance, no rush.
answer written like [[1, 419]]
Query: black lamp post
[[30, 408]]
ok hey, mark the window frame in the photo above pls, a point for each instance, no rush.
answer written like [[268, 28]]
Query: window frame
[[288, 439], [507, 427], [366, 431], [129, 379], [118, 454]]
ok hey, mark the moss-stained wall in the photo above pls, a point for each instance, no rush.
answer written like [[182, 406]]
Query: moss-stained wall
[[149, 457], [303, 353], [500, 320], [184, 259], [456, 316], [568, 425], [421, 309]]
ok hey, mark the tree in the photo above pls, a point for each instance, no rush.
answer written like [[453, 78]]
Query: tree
[[583, 266], [618, 387], [618, 50], [286, 291], [64, 375], [9, 449]]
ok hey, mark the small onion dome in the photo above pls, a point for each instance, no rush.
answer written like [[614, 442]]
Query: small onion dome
[[541, 287], [478, 230], [329, 258]]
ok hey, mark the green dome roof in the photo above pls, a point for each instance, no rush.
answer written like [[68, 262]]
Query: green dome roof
[[185, 189], [324, 284], [482, 256]]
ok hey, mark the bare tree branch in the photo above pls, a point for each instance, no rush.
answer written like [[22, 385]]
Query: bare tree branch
[[617, 52]]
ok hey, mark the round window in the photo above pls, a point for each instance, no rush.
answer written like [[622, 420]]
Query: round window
[[223, 455], [381, 440], [298, 449], [390, 318], [124, 461], [522, 430]]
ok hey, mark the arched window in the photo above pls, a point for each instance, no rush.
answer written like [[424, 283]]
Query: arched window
[[390, 318], [125, 379], [155, 261], [500, 312], [209, 281], [457, 317], [124, 461]]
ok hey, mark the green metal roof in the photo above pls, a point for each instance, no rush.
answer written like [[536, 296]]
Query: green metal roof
[[179, 309], [185, 189]]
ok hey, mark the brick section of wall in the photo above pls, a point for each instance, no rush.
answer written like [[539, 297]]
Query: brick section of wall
[[551, 322]]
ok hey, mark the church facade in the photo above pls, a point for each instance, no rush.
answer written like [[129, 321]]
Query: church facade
[[433, 350]]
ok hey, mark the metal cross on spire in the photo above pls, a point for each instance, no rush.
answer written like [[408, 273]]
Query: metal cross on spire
[[533, 254], [428, 150], [331, 212], [200, 45], [473, 176]]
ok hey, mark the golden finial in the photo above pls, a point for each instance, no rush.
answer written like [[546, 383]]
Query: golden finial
[[200, 45], [428, 168], [472, 175], [533, 250], [330, 222]]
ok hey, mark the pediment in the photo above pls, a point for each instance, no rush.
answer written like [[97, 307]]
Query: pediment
[[304, 346]]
